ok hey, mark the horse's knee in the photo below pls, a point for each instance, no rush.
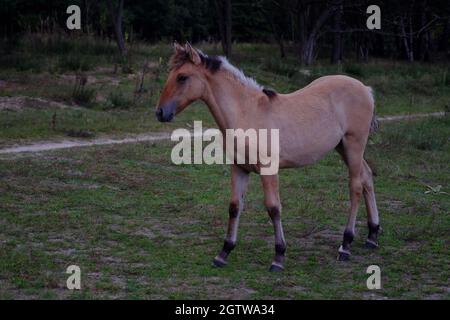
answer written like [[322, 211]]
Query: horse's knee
[[356, 186], [368, 186], [367, 179], [274, 212], [233, 209]]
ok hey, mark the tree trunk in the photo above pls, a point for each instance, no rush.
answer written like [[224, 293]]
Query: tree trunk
[[307, 45], [409, 50], [276, 33], [223, 9], [379, 45], [86, 18], [443, 42], [336, 56], [302, 18], [228, 26], [117, 17]]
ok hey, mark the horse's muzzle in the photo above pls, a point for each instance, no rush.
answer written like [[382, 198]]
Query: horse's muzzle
[[166, 112]]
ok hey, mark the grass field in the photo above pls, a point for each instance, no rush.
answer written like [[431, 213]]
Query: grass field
[[140, 227], [46, 68]]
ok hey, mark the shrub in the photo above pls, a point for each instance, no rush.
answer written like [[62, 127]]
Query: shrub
[[117, 99], [354, 70], [74, 62], [280, 67], [81, 94], [84, 96], [80, 133]]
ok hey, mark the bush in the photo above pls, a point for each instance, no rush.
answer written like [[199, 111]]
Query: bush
[[80, 133], [60, 44], [81, 94], [22, 62], [118, 100], [84, 96], [74, 62], [280, 67], [354, 70]]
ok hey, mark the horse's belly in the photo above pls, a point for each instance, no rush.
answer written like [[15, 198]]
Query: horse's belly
[[302, 159], [308, 150]]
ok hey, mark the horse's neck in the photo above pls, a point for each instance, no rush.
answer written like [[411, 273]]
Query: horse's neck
[[226, 99]]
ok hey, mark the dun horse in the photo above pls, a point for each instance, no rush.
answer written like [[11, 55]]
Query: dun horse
[[333, 112]]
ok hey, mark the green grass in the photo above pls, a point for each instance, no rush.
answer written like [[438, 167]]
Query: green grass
[[36, 124], [45, 66], [140, 227]]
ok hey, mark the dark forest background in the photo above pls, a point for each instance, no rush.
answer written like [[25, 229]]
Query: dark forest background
[[335, 29]]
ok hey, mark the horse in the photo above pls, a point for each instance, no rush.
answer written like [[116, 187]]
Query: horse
[[333, 112]]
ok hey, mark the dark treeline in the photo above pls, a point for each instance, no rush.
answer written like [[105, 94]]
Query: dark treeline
[[413, 30]]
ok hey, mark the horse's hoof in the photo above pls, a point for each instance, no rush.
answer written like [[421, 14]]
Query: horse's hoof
[[371, 244], [276, 268], [217, 263], [343, 256]]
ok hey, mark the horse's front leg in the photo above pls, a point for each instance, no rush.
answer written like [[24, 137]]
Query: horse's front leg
[[273, 206], [239, 183]]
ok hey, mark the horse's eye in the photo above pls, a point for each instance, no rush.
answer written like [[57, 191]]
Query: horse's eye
[[182, 78]]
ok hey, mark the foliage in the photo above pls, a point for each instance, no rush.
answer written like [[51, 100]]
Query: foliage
[[265, 21]]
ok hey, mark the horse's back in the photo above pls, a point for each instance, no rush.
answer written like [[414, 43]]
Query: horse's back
[[335, 86], [313, 120], [342, 98]]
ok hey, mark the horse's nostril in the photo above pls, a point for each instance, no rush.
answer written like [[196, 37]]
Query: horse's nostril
[[159, 113]]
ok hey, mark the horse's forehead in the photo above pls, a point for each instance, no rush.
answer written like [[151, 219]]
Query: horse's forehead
[[185, 67]]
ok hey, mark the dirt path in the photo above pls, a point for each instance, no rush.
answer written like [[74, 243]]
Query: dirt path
[[412, 116], [73, 143]]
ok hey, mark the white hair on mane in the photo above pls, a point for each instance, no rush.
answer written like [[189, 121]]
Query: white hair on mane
[[239, 74]]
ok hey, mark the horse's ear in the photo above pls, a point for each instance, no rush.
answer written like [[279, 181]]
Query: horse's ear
[[176, 47], [193, 54]]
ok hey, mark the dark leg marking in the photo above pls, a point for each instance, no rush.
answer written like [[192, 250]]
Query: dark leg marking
[[277, 265], [280, 246], [220, 261], [228, 246], [274, 213], [372, 239], [280, 249], [344, 250], [348, 239], [233, 210]]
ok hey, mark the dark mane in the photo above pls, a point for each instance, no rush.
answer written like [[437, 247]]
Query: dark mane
[[212, 63], [270, 93], [215, 63]]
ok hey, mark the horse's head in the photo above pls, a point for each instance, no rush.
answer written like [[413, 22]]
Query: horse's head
[[185, 84]]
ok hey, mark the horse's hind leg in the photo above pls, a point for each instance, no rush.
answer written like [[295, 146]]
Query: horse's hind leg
[[273, 206], [352, 148], [371, 206], [239, 183]]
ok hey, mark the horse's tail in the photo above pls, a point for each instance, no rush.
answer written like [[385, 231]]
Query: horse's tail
[[374, 124]]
